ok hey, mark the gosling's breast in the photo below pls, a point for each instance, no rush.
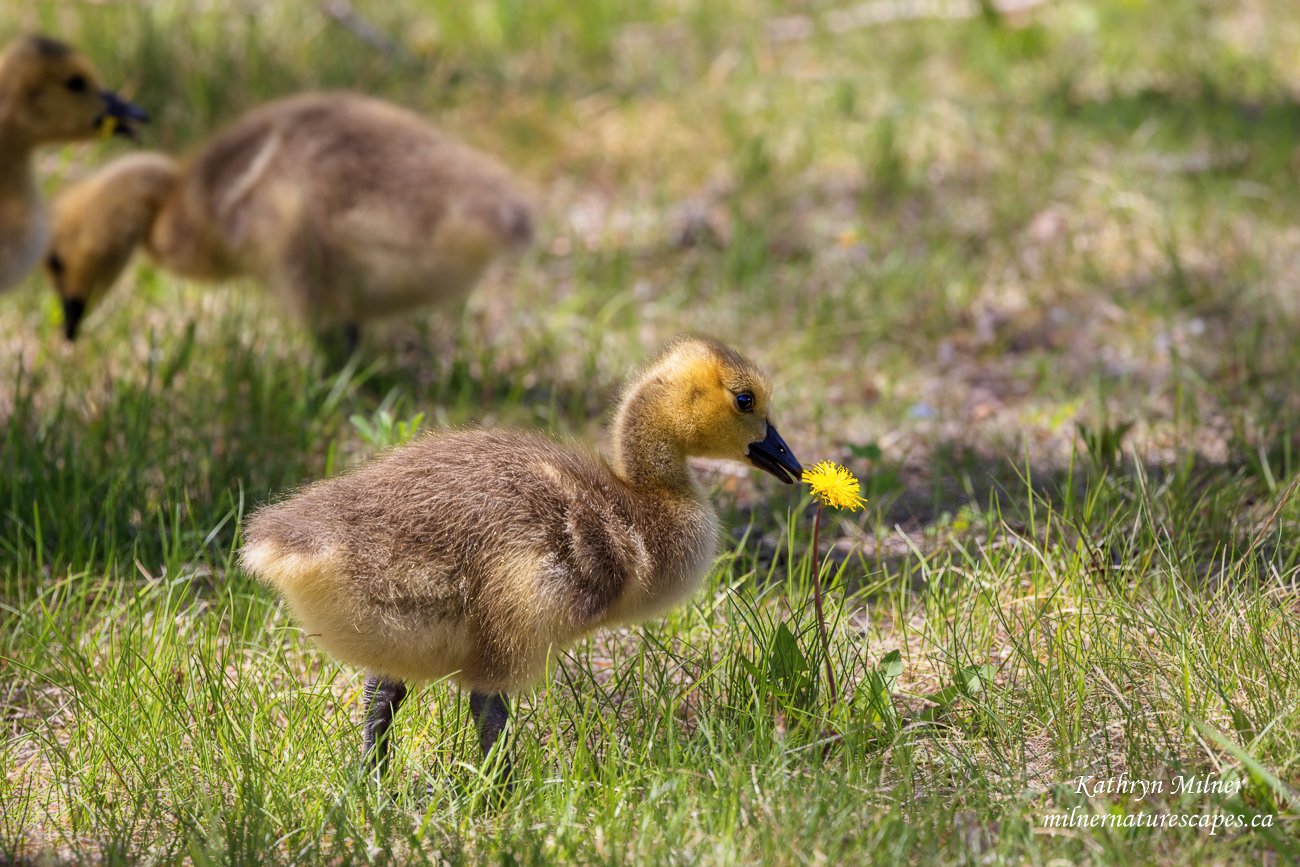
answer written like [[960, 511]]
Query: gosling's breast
[[680, 540]]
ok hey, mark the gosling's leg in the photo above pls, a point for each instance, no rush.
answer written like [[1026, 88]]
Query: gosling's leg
[[351, 338], [338, 343], [490, 712], [382, 698]]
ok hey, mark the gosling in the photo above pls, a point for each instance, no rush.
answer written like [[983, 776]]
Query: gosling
[[349, 208], [49, 93], [473, 554]]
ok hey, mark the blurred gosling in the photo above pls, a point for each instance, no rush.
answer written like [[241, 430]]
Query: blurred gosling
[[347, 207], [49, 94], [474, 554]]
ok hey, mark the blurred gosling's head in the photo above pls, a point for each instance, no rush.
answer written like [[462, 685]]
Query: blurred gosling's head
[[698, 397], [96, 226], [50, 92]]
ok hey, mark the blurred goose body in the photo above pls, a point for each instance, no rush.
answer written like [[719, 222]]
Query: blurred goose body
[[349, 208]]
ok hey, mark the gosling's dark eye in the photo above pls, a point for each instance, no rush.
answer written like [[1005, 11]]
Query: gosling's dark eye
[[55, 264], [745, 402], [76, 84]]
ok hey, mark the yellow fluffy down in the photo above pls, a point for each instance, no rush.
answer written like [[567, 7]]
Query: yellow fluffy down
[[317, 590]]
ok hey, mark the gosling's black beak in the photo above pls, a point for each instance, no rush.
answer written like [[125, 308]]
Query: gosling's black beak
[[772, 454], [119, 116], [73, 310]]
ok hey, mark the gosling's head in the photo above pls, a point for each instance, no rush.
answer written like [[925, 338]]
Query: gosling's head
[[50, 92], [699, 397], [96, 226]]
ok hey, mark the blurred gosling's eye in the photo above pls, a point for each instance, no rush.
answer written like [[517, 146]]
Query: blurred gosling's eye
[[55, 264], [76, 84], [745, 402]]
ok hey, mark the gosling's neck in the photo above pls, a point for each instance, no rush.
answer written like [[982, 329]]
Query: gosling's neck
[[17, 177], [648, 454], [23, 220], [126, 199], [16, 142]]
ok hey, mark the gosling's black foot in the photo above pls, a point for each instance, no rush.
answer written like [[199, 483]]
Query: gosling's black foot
[[351, 338], [382, 698], [491, 712]]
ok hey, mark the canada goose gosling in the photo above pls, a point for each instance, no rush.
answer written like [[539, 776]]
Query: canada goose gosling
[[472, 554], [49, 93], [349, 208]]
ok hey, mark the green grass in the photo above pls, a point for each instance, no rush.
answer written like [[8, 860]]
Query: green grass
[[1033, 282]]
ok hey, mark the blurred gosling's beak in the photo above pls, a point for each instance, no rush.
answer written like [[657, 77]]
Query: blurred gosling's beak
[[773, 455], [73, 310], [119, 116]]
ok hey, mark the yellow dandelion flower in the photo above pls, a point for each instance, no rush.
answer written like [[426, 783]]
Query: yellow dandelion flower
[[834, 486]]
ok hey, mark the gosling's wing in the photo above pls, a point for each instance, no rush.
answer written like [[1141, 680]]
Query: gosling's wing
[[380, 176], [453, 506]]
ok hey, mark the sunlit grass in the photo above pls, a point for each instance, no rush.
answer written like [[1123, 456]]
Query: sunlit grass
[[1034, 284]]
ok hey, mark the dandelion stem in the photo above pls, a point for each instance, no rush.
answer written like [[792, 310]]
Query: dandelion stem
[[817, 602]]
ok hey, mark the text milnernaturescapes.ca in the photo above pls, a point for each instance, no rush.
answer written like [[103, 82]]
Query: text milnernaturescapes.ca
[[1079, 817]]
